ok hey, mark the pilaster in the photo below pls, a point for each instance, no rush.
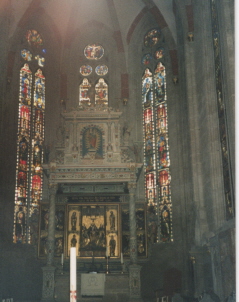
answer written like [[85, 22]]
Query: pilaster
[[134, 283], [49, 270]]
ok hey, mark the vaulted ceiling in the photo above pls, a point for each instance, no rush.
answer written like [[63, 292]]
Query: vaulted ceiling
[[118, 15]]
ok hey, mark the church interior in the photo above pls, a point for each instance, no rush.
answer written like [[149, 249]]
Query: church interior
[[118, 151]]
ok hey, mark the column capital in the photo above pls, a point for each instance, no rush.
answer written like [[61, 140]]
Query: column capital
[[52, 188], [132, 186]]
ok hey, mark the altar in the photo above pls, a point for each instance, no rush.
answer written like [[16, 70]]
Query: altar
[[93, 284]]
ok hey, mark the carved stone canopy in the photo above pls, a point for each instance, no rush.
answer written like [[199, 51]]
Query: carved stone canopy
[[90, 148]]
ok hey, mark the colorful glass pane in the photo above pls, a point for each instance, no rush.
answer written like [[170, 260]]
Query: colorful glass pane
[[147, 87], [34, 38], [86, 70], [152, 37], [25, 114], [25, 85], [26, 55], [39, 90], [156, 148], [40, 60], [84, 91], [146, 60], [94, 52], [160, 82], [159, 53], [162, 118], [101, 93], [101, 70], [29, 148]]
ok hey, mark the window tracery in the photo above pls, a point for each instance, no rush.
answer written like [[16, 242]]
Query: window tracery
[[28, 190], [93, 88], [156, 146]]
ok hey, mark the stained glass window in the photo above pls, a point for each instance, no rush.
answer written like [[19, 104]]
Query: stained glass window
[[94, 52], [28, 191], [93, 90], [101, 93], [222, 118], [85, 92], [156, 142]]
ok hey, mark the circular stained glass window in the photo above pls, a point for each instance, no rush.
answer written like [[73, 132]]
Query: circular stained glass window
[[152, 37], [147, 59], [34, 38], [86, 70], [94, 52], [26, 55], [159, 53], [101, 70]]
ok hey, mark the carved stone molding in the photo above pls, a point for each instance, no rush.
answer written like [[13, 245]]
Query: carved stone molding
[[48, 283], [134, 282]]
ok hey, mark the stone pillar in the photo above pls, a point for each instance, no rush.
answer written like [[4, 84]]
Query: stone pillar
[[49, 270], [202, 270], [134, 269], [135, 283], [132, 223], [51, 224]]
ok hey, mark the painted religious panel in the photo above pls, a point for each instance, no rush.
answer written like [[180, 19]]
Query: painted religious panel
[[93, 230], [140, 230], [165, 223], [59, 230], [44, 220], [20, 224], [92, 142]]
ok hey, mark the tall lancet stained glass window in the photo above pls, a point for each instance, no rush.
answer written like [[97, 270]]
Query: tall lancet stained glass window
[[156, 143], [93, 87], [31, 111]]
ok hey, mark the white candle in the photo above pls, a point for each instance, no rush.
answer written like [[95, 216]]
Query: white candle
[[106, 252], [62, 259], [73, 289], [122, 259]]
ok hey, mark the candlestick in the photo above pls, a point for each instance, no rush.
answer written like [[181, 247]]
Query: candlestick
[[106, 252], [121, 258], [73, 289], [107, 264], [62, 263], [122, 263]]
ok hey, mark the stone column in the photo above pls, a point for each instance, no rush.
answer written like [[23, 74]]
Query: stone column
[[134, 268], [132, 223], [49, 270]]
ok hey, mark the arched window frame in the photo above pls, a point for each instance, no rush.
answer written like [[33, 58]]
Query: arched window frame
[[30, 133], [156, 142], [93, 86]]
